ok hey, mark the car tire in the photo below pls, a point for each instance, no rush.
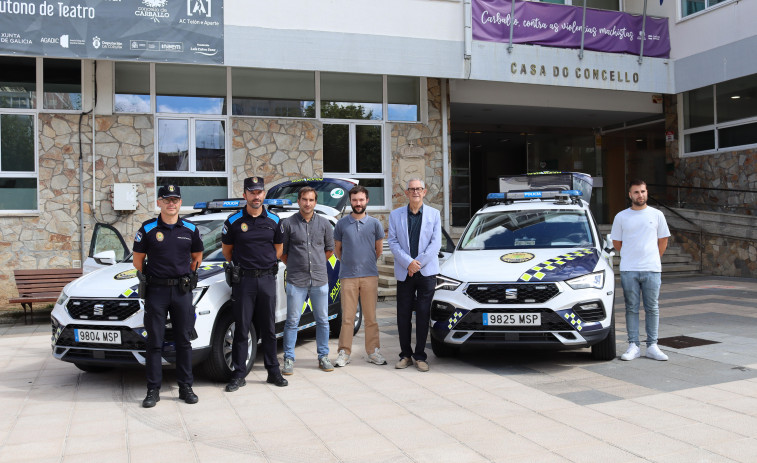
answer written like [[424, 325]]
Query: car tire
[[218, 364], [335, 326], [605, 349], [443, 350], [92, 368]]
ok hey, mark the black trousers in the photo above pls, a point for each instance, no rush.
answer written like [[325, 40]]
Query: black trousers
[[159, 301], [254, 302], [415, 293]]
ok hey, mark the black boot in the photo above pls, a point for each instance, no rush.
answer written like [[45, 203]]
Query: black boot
[[187, 394], [152, 397], [276, 379]]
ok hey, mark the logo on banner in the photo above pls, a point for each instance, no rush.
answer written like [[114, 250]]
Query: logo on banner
[[199, 7], [64, 41], [154, 9], [96, 42]]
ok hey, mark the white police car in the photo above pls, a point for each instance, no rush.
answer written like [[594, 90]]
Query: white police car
[[530, 270], [97, 320]]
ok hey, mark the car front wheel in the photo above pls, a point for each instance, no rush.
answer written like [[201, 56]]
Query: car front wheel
[[605, 349], [218, 365], [443, 350]]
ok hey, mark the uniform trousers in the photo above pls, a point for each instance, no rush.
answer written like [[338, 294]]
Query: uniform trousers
[[254, 302], [161, 300]]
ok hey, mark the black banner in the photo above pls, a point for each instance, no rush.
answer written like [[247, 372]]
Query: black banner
[[181, 31]]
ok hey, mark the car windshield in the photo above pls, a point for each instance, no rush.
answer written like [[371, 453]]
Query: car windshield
[[210, 230], [329, 194], [528, 230]]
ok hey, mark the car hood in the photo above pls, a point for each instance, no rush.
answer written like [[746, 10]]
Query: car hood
[[120, 280], [530, 265]]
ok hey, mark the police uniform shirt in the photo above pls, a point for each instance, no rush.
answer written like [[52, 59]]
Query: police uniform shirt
[[168, 247], [253, 238]]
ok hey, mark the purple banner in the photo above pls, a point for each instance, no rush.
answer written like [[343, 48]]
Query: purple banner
[[560, 26]]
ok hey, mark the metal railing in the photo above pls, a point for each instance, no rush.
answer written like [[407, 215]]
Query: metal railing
[[698, 228], [725, 200]]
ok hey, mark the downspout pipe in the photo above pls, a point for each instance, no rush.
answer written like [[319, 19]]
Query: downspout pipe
[[445, 158], [643, 32]]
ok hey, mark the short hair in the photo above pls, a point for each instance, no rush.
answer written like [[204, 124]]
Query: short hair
[[359, 189], [416, 179], [306, 189], [636, 182]]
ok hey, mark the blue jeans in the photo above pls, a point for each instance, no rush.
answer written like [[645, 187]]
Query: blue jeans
[[648, 284], [319, 298]]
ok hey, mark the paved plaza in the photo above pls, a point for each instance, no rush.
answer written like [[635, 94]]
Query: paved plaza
[[486, 405]]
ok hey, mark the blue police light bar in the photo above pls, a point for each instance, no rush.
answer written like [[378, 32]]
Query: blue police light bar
[[277, 202], [238, 203], [543, 194]]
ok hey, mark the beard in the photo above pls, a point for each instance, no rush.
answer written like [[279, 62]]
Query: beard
[[358, 209], [639, 202]]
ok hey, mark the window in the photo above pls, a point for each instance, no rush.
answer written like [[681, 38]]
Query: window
[[18, 81], [695, 6], [190, 89], [132, 88], [613, 5], [191, 153], [351, 96], [403, 98], [260, 92], [18, 162], [721, 116], [62, 84], [355, 150]]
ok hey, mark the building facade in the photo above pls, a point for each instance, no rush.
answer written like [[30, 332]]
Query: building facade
[[381, 92]]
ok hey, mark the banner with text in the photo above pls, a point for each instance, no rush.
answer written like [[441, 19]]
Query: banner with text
[[560, 26], [183, 31]]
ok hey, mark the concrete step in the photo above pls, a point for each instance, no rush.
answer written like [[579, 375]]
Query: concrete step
[[387, 294], [386, 270], [385, 281]]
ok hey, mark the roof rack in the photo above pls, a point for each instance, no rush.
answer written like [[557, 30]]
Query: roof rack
[[559, 196]]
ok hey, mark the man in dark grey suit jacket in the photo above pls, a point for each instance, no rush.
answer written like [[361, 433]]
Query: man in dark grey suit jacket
[[415, 237]]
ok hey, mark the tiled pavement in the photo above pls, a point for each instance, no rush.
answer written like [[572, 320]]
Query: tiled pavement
[[701, 406]]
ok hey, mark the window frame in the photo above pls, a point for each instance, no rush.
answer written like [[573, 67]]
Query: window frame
[[41, 87], [192, 148], [716, 126], [24, 174], [385, 173], [707, 8]]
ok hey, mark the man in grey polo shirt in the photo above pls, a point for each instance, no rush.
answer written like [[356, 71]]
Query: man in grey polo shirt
[[308, 243], [358, 242]]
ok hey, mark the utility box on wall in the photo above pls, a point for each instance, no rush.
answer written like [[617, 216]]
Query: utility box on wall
[[124, 196]]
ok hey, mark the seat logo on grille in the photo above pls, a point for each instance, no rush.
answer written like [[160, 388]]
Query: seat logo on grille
[[511, 294], [98, 310]]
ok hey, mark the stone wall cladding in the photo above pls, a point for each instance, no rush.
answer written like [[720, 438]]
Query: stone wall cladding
[[427, 136], [275, 149], [722, 255], [51, 239]]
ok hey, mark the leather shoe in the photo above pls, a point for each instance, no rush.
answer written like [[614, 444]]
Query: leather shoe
[[187, 395], [235, 384], [152, 397], [277, 380]]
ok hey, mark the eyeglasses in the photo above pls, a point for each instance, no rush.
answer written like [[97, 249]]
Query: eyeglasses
[[415, 190], [171, 200]]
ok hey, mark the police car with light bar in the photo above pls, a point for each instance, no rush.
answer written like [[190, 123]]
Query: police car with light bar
[[530, 270], [97, 320]]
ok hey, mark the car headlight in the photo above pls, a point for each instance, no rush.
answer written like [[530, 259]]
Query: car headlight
[[450, 284], [62, 298], [592, 280], [197, 294]]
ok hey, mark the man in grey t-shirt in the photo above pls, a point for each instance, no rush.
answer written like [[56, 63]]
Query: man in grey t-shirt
[[308, 244], [358, 242]]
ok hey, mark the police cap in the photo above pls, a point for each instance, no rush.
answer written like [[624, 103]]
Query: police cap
[[169, 191], [254, 183]]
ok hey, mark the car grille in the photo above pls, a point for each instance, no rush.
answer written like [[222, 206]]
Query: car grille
[[104, 309], [511, 293], [129, 339], [514, 337], [550, 321]]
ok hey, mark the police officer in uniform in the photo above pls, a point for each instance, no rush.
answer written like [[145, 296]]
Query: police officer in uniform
[[252, 240], [174, 251]]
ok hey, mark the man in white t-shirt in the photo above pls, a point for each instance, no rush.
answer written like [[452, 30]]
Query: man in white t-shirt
[[640, 234]]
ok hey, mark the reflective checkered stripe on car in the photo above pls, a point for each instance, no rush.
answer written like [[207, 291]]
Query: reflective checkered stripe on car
[[454, 319], [554, 265]]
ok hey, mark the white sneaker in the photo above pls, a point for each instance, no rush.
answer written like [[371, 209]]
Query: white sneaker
[[633, 352], [655, 353], [342, 359], [377, 358]]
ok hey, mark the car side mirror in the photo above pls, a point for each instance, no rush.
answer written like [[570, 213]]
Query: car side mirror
[[105, 257], [609, 248]]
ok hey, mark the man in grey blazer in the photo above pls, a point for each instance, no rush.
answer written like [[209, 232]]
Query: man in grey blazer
[[415, 237]]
